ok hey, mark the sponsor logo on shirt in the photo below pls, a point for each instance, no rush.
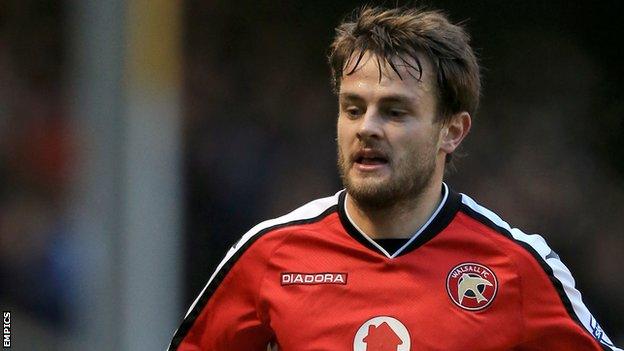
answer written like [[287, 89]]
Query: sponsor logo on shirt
[[471, 286], [382, 333], [295, 278], [598, 333]]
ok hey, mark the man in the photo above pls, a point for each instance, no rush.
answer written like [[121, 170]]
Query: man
[[397, 261]]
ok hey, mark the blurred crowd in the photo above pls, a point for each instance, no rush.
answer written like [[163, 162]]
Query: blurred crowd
[[36, 149], [546, 151]]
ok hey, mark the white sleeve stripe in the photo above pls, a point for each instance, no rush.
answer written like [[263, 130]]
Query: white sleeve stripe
[[559, 270]]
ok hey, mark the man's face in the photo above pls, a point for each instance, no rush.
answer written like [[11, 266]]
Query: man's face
[[388, 134]]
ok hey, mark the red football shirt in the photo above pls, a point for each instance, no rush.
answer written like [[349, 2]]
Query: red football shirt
[[311, 280]]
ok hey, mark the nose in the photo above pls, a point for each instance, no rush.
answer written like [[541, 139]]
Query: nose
[[371, 126]]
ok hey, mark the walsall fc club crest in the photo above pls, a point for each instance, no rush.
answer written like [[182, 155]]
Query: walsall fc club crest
[[471, 286]]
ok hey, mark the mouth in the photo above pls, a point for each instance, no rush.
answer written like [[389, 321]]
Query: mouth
[[369, 159]]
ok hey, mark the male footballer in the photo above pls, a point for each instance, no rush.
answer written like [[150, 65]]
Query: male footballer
[[397, 261]]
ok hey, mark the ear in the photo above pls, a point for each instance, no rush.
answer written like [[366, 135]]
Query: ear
[[454, 131]]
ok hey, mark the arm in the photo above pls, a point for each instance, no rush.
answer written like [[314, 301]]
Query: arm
[[554, 313], [225, 316]]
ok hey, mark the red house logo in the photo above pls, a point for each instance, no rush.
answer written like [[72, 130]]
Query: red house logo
[[382, 333], [382, 338]]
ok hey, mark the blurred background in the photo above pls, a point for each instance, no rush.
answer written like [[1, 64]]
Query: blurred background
[[139, 139]]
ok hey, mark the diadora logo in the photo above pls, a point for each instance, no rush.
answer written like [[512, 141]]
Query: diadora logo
[[295, 278], [471, 286], [382, 333]]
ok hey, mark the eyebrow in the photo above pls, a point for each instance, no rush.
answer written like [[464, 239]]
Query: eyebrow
[[398, 98]]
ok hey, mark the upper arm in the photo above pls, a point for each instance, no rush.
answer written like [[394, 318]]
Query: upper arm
[[555, 315], [226, 316]]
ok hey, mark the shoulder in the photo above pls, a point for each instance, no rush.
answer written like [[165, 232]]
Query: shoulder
[[532, 259], [248, 256], [540, 269], [261, 240], [530, 252], [312, 212], [529, 257], [516, 239]]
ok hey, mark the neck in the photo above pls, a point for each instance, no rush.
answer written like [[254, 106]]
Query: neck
[[402, 220]]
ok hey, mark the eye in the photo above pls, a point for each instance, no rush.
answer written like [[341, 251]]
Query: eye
[[397, 113], [353, 112]]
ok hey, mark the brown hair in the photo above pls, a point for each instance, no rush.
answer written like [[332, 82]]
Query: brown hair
[[401, 33]]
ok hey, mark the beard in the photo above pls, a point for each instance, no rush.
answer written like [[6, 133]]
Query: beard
[[409, 178]]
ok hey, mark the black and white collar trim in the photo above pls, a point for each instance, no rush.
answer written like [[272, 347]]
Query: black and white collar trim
[[440, 218]]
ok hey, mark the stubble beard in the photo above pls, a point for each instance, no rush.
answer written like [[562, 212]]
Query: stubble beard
[[408, 180]]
